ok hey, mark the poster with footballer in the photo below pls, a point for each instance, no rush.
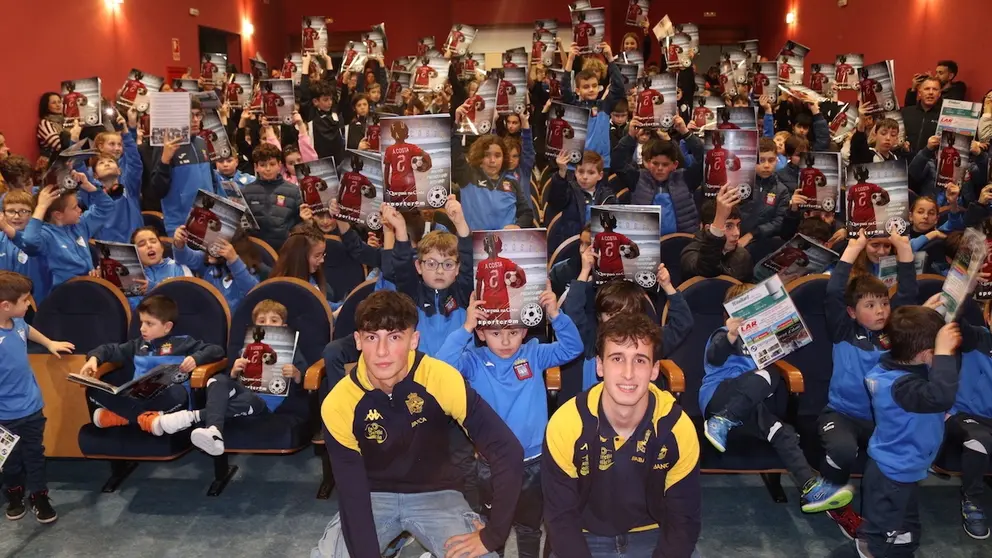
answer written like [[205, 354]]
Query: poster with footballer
[[237, 92], [983, 289], [546, 26], [626, 239], [794, 49], [844, 123], [567, 129], [629, 73], [542, 49], [657, 105], [233, 191], [819, 181], [430, 74], [275, 101], [353, 59], [588, 29], [259, 69], [511, 90], [733, 68], [678, 51], [798, 257], [731, 156], [424, 45], [704, 113], [318, 182], [60, 172], [764, 79], [134, 92], [214, 134], [556, 76], [953, 158], [185, 86], [398, 81], [292, 67], [876, 86], [403, 63], [846, 70], [511, 267], [737, 118], [790, 70], [472, 65], [212, 218], [459, 39], [515, 58], [360, 193], [119, 264], [634, 57], [821, 79], [81, 102], [268, 349], [314, 34], [692, 30], [750, 46], [213, 68], [877, 198], [416, 160], [478, 115], [637, 12], [375, 40]]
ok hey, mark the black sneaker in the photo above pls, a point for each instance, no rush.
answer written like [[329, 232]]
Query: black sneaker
[[15, 503], [42, 506], [973, 520]]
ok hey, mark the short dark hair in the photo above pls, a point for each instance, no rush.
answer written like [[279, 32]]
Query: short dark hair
[[707, 213], [951, 66], [629, 328], [321, 88], [160, 307], [803, 119], [658, 147], [139, 230], [194, 104], [912, 330], [864, 286], [265, 152], [619, 297], [13, 286], [386, 310], [15, 168], [767, 145], [586, 75], [795, 144], [816, 228], [621, 106]]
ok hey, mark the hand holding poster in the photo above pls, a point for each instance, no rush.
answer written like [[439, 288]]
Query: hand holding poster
[[170, 118], [626, 239], [510, 275], [953, 158], [318, 181], [771, 327], [731, 158], [81, 102], [119, 263], [268, 350], [214, 134], [877, 198], [567, 128], [478, 114], [798, 257], [876, 87], [416, 160], [820, 181], [212, 218], [963, 275], [360, 193]]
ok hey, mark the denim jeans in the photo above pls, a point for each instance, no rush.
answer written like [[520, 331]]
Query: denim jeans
[[629, 545], [27, 460], [431, 517]]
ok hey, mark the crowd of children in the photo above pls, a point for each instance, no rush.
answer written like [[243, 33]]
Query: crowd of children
[[473, 452]]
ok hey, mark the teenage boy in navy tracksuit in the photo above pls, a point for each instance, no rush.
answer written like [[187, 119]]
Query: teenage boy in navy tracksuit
[[912, 388], [856, 311], [509, 375]]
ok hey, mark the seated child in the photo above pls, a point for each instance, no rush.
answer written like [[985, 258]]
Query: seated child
[[60, 232], [489, 192], [18, 174], [17, 208], [780, 139], [302, 257], [572, 195], [715, 250], [151, 254], [763, 213], [912, 388], [794, 151], [228, 398], [156, 346], [732, 398], [586, 94], [234, 271], [887, 147], [227, 170], [509, 375], [21, 403], [274, 203]]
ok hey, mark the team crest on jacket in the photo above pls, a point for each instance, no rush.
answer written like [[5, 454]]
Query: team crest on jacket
[[605, 459], [642, 445], [375, 432], [166, 349], [414, 404], [883, 341], [507, 185], [281, 201], [449, 304], [522, 369]]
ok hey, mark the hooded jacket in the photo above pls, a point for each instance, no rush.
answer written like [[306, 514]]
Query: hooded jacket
[[177, 182]]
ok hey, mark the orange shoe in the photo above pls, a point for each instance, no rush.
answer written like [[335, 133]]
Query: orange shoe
[[103, 418], [148, 421]]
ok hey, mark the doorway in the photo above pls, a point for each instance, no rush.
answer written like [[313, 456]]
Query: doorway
[[217, 41]]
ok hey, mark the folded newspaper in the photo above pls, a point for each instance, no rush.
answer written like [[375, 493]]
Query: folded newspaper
[[771, 327], [963, 275], [143, 387]]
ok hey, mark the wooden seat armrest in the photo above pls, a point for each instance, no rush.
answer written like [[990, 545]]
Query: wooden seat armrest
[[314, 375], [202, 373], [792, 376], [673, 376], [552, 378]]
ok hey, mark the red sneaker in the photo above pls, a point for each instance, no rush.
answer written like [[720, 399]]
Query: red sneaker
[[848, 521]]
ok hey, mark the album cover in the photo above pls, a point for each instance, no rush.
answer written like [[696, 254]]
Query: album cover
[[292, 67], [798, 257], [360, 193], [678, 51], [134, 92], [119, 263], [214, 134], [844, 123], [731, 156], [472, 65], [81, 101], [567, 128], [794, 49], [314, 34], [556, 77], [790, 70], [657, 105], [212, 218], [877, 198], [588, 29], [267, 349], [734, 68], [416, 160], [510, 271], [820, 180], [627, 239], [481, 110]]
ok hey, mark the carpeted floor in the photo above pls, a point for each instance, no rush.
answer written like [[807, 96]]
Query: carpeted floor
[[269, 510]]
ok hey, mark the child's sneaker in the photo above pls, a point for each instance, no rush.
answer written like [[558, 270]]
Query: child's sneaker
[[209, 440], [861, 546], [847, 519], [148, 421], [103, 418], [170, 423], [973, 520], [42, 506], [820, 495], [716, 430], [15, 503]]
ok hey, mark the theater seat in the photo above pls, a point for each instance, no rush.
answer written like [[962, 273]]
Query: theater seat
[[930, 284], [290, 428], [671, 254], [565, 251], [267, 254], [203, 315], [345, 323], [154, 219], [340, 271]]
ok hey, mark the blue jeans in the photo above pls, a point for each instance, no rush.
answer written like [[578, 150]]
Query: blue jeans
[[629, 545], [431, 517]]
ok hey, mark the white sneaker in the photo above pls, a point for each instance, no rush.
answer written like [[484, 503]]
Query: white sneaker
[[174, 422], [209, 440]]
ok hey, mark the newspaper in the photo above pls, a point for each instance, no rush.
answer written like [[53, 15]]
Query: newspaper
[[771, 327], [7, 442], [963, 275], [959, 116], [888, 267]]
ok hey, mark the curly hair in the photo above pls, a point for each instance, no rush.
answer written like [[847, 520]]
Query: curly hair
[[478, 150]]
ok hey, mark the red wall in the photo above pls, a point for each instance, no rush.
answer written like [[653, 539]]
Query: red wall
[[83, 38], [914, 33]]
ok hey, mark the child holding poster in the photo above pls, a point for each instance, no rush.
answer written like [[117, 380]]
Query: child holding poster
[[416, 175], [877, 198], [505, 259]]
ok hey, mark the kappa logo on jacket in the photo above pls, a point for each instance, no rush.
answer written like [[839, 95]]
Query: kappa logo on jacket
[[373, 415]]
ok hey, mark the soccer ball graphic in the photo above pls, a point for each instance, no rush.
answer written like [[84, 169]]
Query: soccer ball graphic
[[180, 377], [744, 191], [575, 156], [141, 107], [288, 120], [518, 108], [277, 385], [880, 198], [374, 221], [417, 162], [224, 152], [625, 251], [531, 314], [890, 104], [437, 196], [645, 279], [68, 182], [91, 119], [827, 204], [666, 121], [898, 223], [484, 127], [438, 87]]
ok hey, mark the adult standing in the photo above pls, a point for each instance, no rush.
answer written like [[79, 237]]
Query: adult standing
[[946, 73], [920, 117]]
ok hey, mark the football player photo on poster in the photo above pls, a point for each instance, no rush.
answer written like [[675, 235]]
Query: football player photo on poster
[[637, 12], [511, 90], [657, 104], [626, 242], [731, 156], [81, 102], [267, 349], [276, 99], [398, 81], [846, 70], [119, 263], [318, 181], [430, 73], [510, 273], [360, 192], [214, 134], [416, 160], [480, 111], [875, 86], [237, 92], [764, 79], [821, 79], [877, 198], [798, 257], [515, 58], [705, 110], [459, 39], [737, 118], [134, 92], [567, 129], [820, 180], [588, 29], [472, 65], [543, 47], [953, 158], [314, 34], [213, 68], [212, 218]]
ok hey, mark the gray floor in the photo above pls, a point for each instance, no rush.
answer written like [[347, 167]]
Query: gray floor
[[270, 510]]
